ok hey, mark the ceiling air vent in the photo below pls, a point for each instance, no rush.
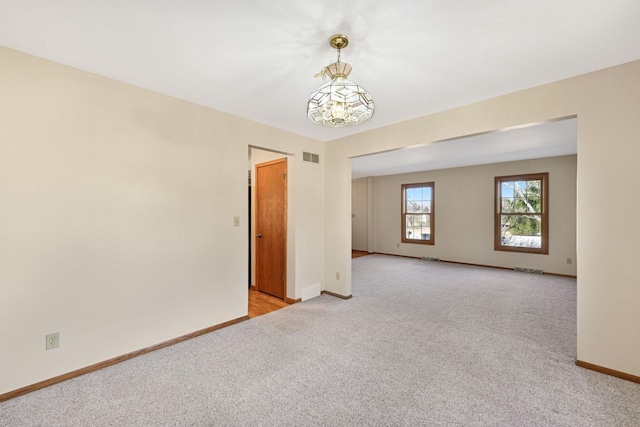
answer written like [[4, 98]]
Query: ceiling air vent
[[310, 157]]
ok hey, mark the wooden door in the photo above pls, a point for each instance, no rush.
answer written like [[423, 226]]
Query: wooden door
[[271, 227]]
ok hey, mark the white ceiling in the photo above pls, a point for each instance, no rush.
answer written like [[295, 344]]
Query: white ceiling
[[557, 138], [256, 59]]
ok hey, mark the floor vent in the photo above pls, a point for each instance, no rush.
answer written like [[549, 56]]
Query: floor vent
[[528, 270], [429, 258], [310, 157]]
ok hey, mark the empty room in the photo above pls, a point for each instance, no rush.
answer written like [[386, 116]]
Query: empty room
[[163, 162]]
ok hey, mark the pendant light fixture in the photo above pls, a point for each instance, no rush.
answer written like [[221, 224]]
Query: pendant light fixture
[[339, 102]]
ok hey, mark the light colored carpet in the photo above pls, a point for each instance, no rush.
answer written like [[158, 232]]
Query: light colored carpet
[[420, 343]]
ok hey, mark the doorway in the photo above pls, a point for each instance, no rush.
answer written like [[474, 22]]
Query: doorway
[[271, 228]]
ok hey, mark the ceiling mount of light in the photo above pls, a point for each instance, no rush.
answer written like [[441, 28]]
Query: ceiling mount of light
[[339, 102]]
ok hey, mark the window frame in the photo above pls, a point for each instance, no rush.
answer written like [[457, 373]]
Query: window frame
[[403, 214], [544, 213]]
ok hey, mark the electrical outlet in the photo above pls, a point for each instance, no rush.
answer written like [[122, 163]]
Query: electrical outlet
[[52, 341], [236, 221], [337, 276], [569, 261], [398, 244]]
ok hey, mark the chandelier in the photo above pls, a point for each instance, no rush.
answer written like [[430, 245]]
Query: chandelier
[[339, 102]]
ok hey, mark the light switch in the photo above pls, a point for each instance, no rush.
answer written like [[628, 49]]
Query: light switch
[[236, 221]]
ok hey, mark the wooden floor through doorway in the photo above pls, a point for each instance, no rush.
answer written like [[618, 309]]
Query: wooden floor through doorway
[[358, 254], [261, 303]]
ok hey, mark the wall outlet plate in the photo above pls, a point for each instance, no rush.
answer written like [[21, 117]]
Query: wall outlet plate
[[52, 341]]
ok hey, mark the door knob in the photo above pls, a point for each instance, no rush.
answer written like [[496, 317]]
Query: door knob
[[259, 236]]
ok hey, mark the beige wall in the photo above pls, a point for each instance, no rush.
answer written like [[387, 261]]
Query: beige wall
[[359, 213], [607, 105], [116, 227], [464, 221]]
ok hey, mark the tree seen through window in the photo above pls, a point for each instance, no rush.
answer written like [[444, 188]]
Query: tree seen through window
[[521, 213]]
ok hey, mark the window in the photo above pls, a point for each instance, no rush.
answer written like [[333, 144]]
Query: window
[[521, 213], [417, 213]]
